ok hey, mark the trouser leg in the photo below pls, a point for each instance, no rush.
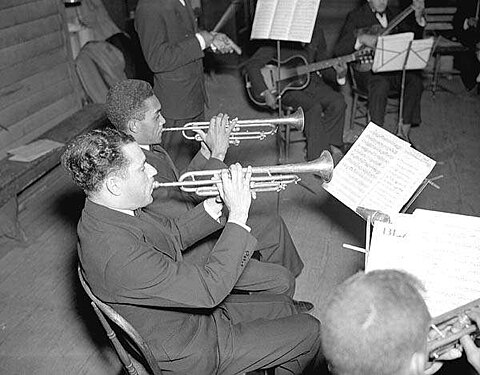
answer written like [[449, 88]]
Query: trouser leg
[[264, 332], [377, 87], [275, 244]]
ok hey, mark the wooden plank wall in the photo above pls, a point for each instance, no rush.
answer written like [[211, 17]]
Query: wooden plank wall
[[38, 83]]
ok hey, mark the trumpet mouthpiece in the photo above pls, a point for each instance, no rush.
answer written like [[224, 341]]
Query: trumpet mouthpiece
[[156, 185]]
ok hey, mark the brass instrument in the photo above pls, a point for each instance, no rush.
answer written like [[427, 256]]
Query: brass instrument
[[447, 329], [241, 132], [273, 178]]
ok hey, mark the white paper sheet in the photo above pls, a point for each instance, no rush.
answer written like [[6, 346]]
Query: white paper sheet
[[292, 20], [391, 52], [442, 250], [379, 172]]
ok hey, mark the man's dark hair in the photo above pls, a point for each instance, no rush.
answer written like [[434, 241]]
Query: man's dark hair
[[91, 157], [126, 101], [374, 322]]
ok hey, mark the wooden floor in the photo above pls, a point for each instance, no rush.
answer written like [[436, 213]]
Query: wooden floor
[[46, 324]]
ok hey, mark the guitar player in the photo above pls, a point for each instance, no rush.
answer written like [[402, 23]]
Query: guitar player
[[361, 28], [324, 107]]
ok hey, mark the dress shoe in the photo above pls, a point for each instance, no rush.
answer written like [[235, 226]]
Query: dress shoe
[[303, 306]]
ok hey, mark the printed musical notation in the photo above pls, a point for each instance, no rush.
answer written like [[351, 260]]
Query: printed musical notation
[[292, 20], [441, 249], [380, 172]]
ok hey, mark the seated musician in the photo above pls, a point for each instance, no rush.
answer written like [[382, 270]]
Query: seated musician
[[324, 107], [376, 323], [133, 261], [360, 30], [467, 31], [133, 108]]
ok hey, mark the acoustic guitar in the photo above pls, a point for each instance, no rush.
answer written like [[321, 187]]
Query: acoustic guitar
[[378, 30], [295, 72]]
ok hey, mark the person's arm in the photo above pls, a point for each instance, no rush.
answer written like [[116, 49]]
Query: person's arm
[[259, 59], [144, 275], [162, 55], [347, 39]]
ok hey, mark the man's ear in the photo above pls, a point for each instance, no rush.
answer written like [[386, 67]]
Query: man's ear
[[113, 185], [418, 363], [132, 126]]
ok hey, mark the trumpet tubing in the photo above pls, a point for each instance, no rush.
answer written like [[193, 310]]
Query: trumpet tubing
[[269, 178], [447, 329], [241, 130]]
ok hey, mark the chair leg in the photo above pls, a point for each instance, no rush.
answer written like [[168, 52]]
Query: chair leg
[[121, 352]]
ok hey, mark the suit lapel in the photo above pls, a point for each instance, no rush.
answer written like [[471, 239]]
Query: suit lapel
[[191, 15]]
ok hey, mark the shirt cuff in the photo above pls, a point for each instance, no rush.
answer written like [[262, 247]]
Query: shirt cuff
[[357, 45], [200, 39], [214, 211], [341, 81], [244, 226], [422, 22], [465, 24]]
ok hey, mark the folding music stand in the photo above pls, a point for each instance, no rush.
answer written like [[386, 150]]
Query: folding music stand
[[399, 52]]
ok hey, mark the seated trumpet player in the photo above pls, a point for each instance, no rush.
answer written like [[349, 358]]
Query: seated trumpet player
[[377, 323], [132, 260], [133, 108]]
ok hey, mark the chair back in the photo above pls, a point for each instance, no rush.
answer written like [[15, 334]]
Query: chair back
[[439, 21], [107, 314]]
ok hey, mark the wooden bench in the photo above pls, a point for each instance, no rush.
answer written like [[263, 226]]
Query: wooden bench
[[16, 176]]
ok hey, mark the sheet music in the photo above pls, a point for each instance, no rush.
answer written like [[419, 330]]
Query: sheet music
[[380, 172], [391, 51], [441, 250], [292, 20], [262, 23]]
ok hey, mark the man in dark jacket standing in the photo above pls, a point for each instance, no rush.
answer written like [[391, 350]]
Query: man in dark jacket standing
[[173, 48]]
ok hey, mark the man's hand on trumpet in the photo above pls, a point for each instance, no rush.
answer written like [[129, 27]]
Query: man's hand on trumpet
[[216, 141], [235, 192], [471, 350]]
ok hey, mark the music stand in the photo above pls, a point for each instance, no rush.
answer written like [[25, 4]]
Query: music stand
[[399, 52], [284, 20]]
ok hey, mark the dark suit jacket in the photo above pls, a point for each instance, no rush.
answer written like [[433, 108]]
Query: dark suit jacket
[[466, 9], [362, 18], [167, 35], [135, 264]]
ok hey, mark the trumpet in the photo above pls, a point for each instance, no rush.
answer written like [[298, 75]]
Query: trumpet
[[264, 179], [447, 329], [240, 131]]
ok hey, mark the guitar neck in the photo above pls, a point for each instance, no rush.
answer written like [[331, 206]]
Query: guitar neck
[[305, 69], [396, 21]]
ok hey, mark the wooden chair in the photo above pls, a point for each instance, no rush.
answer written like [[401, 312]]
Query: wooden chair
[[284, 137], [108, 315], [284, 132], [440, 26]]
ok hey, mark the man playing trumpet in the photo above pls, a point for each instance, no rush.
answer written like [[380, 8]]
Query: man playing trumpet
[[133, 108], [132, 260]]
